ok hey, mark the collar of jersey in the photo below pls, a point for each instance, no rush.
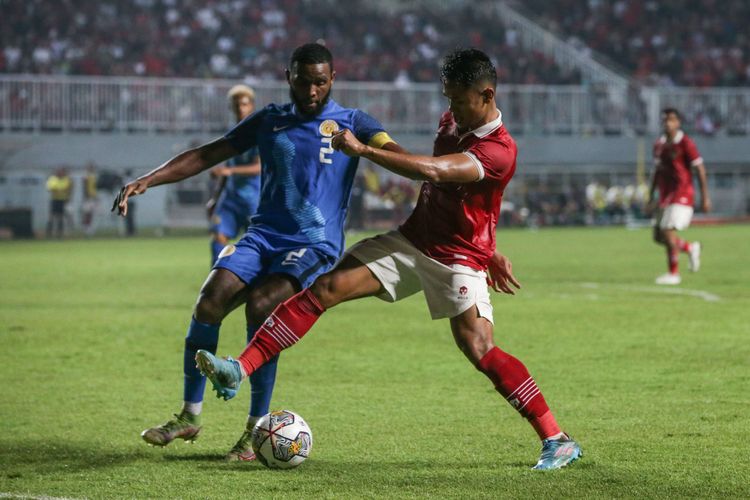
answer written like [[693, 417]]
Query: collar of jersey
[[677, 137], [329, 105], [487, 128]]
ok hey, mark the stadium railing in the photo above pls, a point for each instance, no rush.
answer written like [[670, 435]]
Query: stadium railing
[[168, 105], [565, 54]]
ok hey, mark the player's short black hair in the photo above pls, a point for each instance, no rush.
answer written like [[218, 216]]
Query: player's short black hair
[[311, 53], [467, 67], [671, 111]]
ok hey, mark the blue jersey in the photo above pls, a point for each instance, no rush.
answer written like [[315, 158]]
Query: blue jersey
[[305, 183], [243, 189]]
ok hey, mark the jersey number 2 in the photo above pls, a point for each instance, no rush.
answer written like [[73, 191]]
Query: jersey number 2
[[326, 149]]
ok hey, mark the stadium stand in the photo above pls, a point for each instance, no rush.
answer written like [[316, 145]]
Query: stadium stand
[[700, 43], [582, 83], [226, 39]]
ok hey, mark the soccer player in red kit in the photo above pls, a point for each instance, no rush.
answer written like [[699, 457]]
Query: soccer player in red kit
[[446, 249], [675, 158]]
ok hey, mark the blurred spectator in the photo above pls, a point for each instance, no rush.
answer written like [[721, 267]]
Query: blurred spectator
[[700, 43], [595, 202], [561, 205], [230, 39], [90, 201], [60, 187]]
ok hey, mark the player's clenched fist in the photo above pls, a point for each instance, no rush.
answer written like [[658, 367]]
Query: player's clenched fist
[[132, 188], [345, 142]]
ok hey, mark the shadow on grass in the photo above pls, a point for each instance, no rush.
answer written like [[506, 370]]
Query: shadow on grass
[[54, 456], [198, 457], [334, 468], [578, 464], [17, 458]]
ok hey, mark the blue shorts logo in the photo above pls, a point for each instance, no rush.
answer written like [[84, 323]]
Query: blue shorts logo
[[293, 256]]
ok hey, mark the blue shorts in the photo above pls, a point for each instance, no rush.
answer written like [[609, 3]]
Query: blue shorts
[[231, 217], [252, 258]]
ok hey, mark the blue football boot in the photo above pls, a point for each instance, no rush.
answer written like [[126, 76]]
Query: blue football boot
[[557, 453], [224, 374]]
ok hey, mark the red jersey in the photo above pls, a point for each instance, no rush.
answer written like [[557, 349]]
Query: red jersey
[[454, 223], [674, 173]]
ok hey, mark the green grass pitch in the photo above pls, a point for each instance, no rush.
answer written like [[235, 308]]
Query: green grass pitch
[[653, 382]]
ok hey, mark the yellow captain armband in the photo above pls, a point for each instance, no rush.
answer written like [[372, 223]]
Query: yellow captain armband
[[380, 139]]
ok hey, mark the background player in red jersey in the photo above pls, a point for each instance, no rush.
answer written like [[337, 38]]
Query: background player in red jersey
[[445, 249], [675, 158]]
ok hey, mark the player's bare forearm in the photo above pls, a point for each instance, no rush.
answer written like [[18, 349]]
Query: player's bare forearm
[[449, 168], [421, 168], [190, 163], [182, 166], [703, 185], [211, 203], [250, 170], [396, 148], [652, 186]]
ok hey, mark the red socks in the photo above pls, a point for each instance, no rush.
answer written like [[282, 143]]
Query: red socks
[[673, 259], [291, 320], [288, 323], [683, 245], [673, 255], [513, 381]]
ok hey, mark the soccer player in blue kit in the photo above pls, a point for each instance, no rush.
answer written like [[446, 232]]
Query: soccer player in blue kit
[[238, 191], [296, 234]]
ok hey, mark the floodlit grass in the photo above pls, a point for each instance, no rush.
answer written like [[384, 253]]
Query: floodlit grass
[[654, 382]]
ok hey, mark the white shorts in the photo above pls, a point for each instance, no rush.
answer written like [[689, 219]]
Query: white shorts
[[403, 270], [675, 216]]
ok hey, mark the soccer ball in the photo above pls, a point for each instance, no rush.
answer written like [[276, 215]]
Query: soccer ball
[[281, 440]]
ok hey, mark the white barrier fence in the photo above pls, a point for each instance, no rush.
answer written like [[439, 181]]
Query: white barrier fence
[[159, 105]]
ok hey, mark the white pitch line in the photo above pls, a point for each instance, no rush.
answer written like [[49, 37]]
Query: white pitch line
[[701, 294], [24, 496]]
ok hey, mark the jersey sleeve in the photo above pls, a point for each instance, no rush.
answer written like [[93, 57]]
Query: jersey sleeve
[[493, 160], [244, 135], [369, 131], [692, 155]]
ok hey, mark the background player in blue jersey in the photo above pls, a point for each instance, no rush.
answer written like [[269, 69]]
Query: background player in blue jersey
[[296, 234], [238, 185]]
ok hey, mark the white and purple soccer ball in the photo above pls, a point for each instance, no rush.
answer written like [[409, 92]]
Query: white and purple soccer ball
[[281, 440]]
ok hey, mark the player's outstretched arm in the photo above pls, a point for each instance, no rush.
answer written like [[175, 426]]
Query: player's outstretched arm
[[703, 183], [182, 166], [249, 169], [214, 198], [395, 147], [222, 172], [651, 201], [500, 274], [448, 168]]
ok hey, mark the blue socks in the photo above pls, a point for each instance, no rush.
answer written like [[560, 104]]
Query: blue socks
[[216, 249], [199, 336], [262, 381], [205, 336]]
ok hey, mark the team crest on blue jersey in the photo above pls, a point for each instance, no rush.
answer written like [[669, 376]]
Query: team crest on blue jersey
[[227, 251], [328, 128]]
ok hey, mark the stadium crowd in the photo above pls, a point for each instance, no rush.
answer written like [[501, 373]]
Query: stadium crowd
[[700, 43], [230, 39], [535, 203]]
